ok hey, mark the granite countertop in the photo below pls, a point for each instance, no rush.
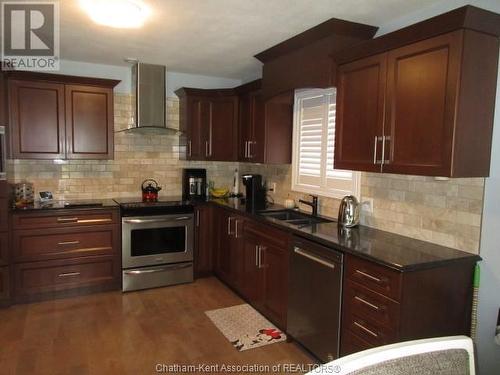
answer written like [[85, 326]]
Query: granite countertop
[[81, 204], [398, 252]]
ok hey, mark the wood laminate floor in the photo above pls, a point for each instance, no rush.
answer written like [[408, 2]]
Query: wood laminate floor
[[115, 333]]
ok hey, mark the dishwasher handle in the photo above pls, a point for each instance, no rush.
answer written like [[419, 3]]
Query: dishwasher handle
[[314, 258]]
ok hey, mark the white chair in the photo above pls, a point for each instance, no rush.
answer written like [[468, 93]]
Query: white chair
[[452, 355]]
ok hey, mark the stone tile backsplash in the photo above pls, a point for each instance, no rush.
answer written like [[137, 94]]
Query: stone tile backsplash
[[444, 212]]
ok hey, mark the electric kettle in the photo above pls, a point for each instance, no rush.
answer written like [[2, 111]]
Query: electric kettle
[[349, 211]]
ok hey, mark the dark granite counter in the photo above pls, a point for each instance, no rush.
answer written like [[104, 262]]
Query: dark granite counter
[[389, 249], [83, 204]]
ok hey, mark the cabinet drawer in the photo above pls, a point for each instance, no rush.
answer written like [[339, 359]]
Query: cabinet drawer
[[65, 218], [370, 306], [352, 344], [377, 278], [368, 331], [42, 244], [4, 251], [60, 275], [276, 237], [4, 283], [4, 214]]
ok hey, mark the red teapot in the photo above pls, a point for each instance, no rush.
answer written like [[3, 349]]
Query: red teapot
[[150, 190]]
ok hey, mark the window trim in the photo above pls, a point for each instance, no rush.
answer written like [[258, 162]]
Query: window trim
[[313, 189]]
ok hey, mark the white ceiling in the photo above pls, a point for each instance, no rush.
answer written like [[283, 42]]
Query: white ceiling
[[213, 37]]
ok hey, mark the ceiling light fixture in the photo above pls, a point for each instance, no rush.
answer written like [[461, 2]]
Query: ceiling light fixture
[[117, 13]]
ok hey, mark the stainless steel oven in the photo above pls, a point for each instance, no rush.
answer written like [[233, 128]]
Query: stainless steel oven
[[3, 154], [157, 250]]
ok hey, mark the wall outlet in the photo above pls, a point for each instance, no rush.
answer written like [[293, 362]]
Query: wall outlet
[[272, 187], [367, 205]]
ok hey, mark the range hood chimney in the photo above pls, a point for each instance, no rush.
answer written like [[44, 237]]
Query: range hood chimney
[[149, 96]]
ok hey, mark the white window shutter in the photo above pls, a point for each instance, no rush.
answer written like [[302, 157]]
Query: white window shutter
[[314, 146]]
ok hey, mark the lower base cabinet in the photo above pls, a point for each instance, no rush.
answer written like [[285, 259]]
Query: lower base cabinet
[[63, 253], [252, 258], [4, 285], [203, 240]]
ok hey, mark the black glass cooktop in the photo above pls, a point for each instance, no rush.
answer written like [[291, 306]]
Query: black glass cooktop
[[164, 206]]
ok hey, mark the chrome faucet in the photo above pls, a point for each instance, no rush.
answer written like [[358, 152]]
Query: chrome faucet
[[313, 204]]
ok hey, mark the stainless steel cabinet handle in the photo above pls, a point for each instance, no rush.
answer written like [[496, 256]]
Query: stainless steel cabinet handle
[[246, 149], [68, 274], [90, 221], [63, 243], [190, 147], [206, 149], [3, 154], [260, 255], [375, 151], [229, 221], [375, 307], [312, 257], [67, 219], [369, 331], [236, 227], [367, 275], [385, 138], [182, 218], [257, 256], [198, 218], [250, 156]]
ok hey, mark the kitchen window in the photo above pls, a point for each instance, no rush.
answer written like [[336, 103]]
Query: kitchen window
[[313, 147]]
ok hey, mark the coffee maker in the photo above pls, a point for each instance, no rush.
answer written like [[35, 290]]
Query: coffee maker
[[194, 182], [255, 192]]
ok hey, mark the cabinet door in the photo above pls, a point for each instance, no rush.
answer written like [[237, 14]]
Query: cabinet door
[[203, 241], [221, 133], [4, 284], [245, 128], [89, 122], [360, 114], [275, 263], [257, 146], [198, 123], [277, 130], [223, 256], [37, 120], [421, 87], [253, 276]]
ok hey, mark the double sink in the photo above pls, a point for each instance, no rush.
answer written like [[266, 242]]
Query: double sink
[[292, 217]]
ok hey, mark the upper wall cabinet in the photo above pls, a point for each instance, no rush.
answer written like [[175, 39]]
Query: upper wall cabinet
[[425, 107], [60, 117], [209, 122], [305, 60], [265, 126]]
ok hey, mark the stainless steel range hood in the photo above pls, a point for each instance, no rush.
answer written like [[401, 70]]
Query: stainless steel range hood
[[149, 99]]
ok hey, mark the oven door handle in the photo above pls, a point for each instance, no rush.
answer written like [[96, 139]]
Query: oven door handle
[[144, 221], [155, 270]]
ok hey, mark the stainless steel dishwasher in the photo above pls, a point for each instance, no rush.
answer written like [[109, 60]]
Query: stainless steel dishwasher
[[315, 293]]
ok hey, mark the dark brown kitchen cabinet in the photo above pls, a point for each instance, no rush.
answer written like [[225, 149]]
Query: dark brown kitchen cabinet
[[360, 113], [4, 245], [204, 240], [425, 108], [60, 117], [266, 270], [89, 122], [209, 122], [265, 126], [381, 305], [37, 120], [65, 252]]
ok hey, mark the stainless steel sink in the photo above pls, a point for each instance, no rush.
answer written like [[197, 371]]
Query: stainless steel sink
[[293, 217]]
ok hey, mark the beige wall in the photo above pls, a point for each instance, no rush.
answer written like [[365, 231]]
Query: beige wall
[[444, 212]]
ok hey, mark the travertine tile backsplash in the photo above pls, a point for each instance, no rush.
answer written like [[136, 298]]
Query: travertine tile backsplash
[[443, 212]]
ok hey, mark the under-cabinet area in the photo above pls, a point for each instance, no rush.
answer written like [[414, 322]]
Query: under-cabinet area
[[249, 187]]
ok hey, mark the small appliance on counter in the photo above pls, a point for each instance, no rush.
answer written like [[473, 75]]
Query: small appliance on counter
[[349, 212], [150, 190], [194, 184], [24, 195], [255, 192]]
